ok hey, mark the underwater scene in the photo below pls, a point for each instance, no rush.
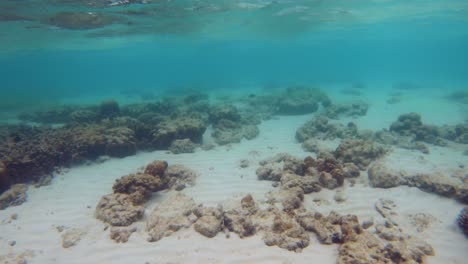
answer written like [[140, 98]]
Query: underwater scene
[[234, 131]]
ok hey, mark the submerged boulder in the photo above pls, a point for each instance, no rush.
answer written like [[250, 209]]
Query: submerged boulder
[[383, 176], [178, 128], [302, 100], [117, 209], [359, 152], [139, 186], [321, 128]]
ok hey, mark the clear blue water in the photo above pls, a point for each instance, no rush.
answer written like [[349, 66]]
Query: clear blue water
[[429, 49]]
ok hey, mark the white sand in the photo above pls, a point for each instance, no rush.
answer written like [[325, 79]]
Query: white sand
[[71, 198]]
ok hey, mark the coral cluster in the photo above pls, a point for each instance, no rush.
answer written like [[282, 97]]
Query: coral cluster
[[124, 205], [321, 128], [309, 174], [410, 125], [182, 146], [289, 227], [355, 109], [229, 126], [359, 152]]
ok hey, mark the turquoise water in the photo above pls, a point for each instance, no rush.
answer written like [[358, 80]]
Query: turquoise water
[[230, 46], [351, 106]]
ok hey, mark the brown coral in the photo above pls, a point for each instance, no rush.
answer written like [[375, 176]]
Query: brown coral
[[156, 168], [359, 152], [118, 209], [138, 186]]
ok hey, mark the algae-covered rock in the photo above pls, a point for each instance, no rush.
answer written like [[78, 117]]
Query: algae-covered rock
[[179, 128], [209, 221], [359, 152], [156, 168], [118, 209], [302, 100], [71, 237], [355, 109], [121, 234], [14, 196], [179, 177], [169, 217], [286, 233], [382, 176], [321, 128], [138, 186], [182, 146]]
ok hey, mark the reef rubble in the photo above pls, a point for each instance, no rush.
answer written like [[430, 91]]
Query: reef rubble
[[126, 204], [382, 176]]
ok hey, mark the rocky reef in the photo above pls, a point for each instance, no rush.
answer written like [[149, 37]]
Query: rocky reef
[[320, 128], [382, 176], [359, 152], [309, 174], [301, 100], [229, 126], [182, 146], [125, 205], [355, 109], [410, 125], [31, 153], [289, 227]]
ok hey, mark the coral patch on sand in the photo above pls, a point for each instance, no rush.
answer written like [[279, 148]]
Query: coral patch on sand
[[124, 206]]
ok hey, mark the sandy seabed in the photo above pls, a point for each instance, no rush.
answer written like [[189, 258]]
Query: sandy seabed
[[70, 200]]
